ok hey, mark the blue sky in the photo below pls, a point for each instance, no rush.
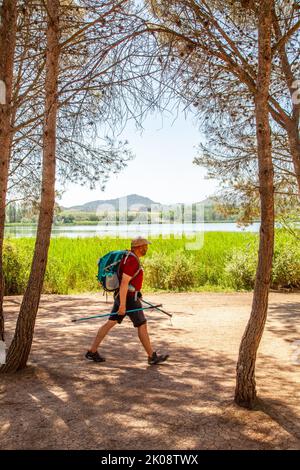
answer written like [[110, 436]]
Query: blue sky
[[162, 170]]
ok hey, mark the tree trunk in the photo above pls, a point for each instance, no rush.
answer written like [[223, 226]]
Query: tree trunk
[[245, 393], [291, 125], [20, 347], [8, 27]]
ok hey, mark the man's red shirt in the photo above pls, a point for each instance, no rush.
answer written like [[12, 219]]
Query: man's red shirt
[[129, 265]]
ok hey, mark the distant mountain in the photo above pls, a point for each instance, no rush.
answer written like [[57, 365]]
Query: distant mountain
[[134, 202], [95, 210], [207, 202]]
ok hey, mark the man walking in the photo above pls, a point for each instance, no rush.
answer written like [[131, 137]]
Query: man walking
[[128, 298]]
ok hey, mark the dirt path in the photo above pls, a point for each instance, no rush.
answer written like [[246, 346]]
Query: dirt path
[[62, 401]]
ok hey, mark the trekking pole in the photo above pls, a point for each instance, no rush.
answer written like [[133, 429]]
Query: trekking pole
[[156, 307], [113, 313]]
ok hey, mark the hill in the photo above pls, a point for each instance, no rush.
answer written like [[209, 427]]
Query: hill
[[134, 201]]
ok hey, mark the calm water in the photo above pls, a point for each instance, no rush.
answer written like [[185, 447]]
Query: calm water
[[130, 230]]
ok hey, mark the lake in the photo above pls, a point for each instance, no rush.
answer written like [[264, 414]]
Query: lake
[[129, 230]]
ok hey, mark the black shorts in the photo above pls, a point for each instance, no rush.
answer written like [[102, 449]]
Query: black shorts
[[137, 318]]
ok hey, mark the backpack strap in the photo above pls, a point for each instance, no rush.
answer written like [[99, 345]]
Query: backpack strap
[[117, 292], [126, 258], [138, 260]]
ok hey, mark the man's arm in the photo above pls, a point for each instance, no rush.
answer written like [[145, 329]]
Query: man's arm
[[123, 293]]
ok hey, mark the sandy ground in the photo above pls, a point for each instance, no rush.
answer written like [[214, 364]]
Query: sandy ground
[[62, 401]]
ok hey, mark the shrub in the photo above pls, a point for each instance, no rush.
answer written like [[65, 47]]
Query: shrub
[[240, 268], [286, 264], [156, 270], [55, 281], [182, 273], [176, 272], [16, 264]]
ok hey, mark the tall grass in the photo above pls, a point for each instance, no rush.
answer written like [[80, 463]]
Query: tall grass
[[227, 261]]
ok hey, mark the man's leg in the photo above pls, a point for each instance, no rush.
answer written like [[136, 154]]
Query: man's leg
[[102, 333], [153, 358], [145, 340]]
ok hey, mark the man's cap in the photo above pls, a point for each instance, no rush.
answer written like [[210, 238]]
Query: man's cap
[[139, 242]]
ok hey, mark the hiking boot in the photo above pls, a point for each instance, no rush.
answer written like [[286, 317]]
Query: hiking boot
[[155, 359], [94, 356]]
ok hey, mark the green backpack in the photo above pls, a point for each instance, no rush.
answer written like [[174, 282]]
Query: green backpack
[[108, 269]]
